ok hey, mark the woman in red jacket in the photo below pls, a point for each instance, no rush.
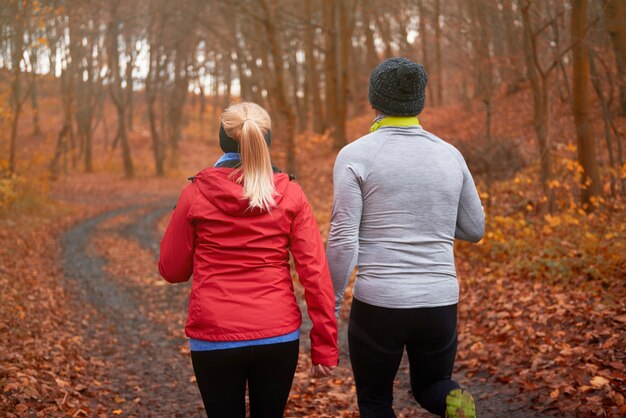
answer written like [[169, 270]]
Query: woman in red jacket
[[233, 228]]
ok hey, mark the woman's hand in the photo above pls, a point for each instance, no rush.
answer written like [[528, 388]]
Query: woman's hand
[[319, 370]]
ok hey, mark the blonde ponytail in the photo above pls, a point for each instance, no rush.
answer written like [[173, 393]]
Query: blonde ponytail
[[248, 123]]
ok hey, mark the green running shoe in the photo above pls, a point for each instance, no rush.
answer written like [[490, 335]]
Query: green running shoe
[[460, 404]]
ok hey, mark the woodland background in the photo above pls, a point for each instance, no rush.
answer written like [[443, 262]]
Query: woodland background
[[106, 107]]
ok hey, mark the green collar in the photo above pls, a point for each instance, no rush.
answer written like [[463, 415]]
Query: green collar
[[395, 121]]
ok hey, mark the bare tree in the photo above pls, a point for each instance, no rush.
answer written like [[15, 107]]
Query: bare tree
[[85, 56], [21, 12], [158, 19], [312, 87], [33, 61], [330, 63], [590, 186], [423, 36], [481, 41], [539, 81], [438, 70], [116, 88], [344, 39], [615, 16], [284, 108]]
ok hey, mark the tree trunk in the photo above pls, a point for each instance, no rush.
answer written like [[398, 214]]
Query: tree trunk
[[58, 152], [117, 92], [370, 47], [511, 74], [201, 109], [129, 170], [370, 54], [284, 108], [481, 42], [130, 63], [67, 98], [590, 181], [358, 79], [384, 30], [330, 64], [539, 87], [344, 37], [608, 122], [244, 81], [70, 73], [85, 75], [438, 78], [425, 45], [293, 85], [228, 81], [17, 97], [312, 87], [88, 150], [152, 83], [556, 33], [177, 101], [33, 95], [615, 16]]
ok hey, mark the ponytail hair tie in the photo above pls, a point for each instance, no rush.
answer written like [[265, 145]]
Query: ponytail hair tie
[[228, 144]]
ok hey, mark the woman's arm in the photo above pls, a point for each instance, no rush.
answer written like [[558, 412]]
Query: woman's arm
[[308, 253], [176, 255]]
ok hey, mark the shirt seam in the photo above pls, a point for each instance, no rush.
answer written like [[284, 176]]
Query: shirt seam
[[384, 141]]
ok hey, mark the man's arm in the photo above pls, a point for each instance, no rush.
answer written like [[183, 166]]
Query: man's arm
[[343, 240], [470, 219]]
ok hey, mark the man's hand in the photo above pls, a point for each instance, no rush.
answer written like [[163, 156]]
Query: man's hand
[[319, 370]]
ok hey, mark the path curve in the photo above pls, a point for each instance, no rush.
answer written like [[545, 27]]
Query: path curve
[[151, 366]]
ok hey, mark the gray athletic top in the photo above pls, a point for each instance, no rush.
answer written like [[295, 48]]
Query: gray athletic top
[[402, 196]]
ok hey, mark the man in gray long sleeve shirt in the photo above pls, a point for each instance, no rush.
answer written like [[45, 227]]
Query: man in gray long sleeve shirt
[[401, 197]]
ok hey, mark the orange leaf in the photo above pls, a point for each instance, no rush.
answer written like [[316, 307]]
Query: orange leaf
[[599, 381]]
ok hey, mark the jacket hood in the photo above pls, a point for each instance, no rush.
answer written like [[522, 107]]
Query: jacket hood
[[220, 187]]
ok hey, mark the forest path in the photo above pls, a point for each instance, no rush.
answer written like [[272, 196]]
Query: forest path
[[149, 371]]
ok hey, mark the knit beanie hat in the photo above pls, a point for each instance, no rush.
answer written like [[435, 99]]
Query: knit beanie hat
[[398, 87], [228, 144]]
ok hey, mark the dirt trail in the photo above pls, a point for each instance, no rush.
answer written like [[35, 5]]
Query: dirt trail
[[149, 366]]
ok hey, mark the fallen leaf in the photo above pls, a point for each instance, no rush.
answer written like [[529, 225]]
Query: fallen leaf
[[599, 381]]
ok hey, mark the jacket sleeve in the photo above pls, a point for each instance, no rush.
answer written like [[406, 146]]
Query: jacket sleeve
[[342, 249], [470, 220], [307, 250], [176, 254]]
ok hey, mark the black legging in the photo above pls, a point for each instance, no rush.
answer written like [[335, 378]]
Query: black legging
[[267, 369], [377, 337]]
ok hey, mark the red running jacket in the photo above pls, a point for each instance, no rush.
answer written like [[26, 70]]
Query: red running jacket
[[242, 287]]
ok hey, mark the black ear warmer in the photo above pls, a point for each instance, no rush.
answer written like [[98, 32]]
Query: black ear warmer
[[228, 144]]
